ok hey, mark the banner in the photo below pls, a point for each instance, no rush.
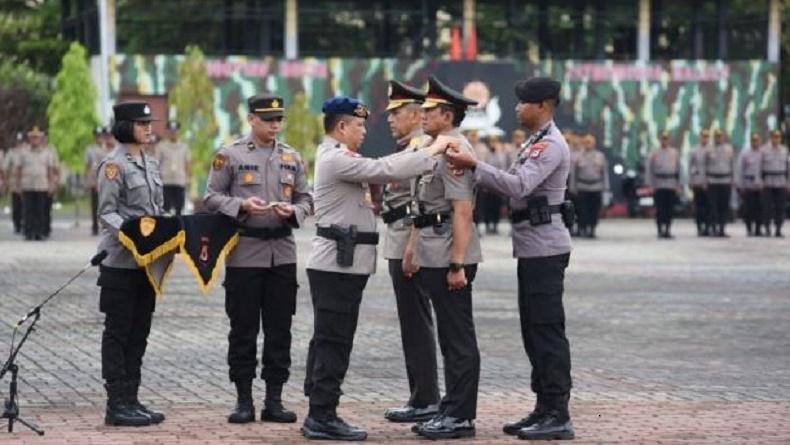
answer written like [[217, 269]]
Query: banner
[[208, 240]]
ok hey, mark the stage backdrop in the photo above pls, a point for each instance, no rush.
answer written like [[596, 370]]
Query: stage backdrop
[[625, 105]]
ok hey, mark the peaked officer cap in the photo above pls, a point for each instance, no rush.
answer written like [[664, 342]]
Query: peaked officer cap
[[266, 106], [439, 93], [132, 111], [401, 94]]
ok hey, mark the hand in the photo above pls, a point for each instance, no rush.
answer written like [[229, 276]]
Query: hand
[[442, 143], [460, 158], [254, 205], [407, 264], [456, 280], [283, 210]]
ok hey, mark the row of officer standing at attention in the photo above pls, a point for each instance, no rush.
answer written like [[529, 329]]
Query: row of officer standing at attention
[[431, 247]]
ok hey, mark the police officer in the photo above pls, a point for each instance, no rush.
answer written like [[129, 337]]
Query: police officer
[[662, 174], [174, 160], [129, 187], [93, 156], [575, 147], [260, 181], [11, 163], [36, 176], [344, 254], [775, 168], [699, 183], [719, 165], [590, 178], [445, 249], [404, 115], [749, 182], [535, 184]]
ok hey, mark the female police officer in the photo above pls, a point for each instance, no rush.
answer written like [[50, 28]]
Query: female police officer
[[129, 187]]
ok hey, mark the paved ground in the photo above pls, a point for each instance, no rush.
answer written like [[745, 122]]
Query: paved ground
[[682, 341]]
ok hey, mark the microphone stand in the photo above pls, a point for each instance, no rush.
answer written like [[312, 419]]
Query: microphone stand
[[11, 410]]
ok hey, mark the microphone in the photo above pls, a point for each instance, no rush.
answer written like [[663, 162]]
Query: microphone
[[98, 258]]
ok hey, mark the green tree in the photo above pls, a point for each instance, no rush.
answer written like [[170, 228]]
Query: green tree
[[24, 95], [193, 100], [72, 112], [302, 129], [30, 33]]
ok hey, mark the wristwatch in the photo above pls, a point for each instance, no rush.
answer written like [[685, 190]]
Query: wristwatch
[[455, 267]]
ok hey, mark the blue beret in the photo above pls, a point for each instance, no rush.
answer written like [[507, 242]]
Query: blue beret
[[345, 105]]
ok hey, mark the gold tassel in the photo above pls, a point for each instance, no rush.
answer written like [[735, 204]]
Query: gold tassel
[[143, 260]]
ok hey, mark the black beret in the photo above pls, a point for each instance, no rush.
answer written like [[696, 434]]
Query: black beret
[[439, 93], [132, 111], [345, 105], [401, 94], [538, 89], [266, 106]]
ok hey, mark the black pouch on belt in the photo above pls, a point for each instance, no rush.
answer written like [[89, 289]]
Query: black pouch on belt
[[568, 212], [539, 212]]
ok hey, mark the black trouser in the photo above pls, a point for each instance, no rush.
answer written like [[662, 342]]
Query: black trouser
[[701, 208], [589, 209], [752, 209], [665, 205], [540, 288], [336, 298], [174, 198], [48, 214], [719, 205], [35, 207], [492, 203], [417, 337], [94, 211], [457, 340], [258, 297], [16, 211], [127, 300], [775, 206]]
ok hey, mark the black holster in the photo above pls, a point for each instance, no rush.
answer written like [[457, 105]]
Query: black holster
[[568, 212], [346, 240]]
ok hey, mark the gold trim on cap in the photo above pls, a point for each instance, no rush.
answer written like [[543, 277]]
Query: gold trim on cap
[[431, 102], [263, 110], [395, 103]]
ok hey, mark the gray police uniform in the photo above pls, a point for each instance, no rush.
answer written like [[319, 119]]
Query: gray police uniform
[[129, 188], [538, 178], [260, 279], [414, 308], [345, 218], [719, 164], [174, 159], [749, 181], [698, 182], [590, 178], [775, 168], [662, 173], [457, 339]]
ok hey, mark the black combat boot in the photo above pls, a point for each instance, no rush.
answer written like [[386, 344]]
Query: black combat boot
[[553, 424], [513, 428], [322, 423], [245, 410], [118, 412], [778, 231], [273, 409], [133, 387]]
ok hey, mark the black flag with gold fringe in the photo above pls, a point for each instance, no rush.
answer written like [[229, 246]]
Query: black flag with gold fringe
[[158, 270], [150, 237], [209, 238]]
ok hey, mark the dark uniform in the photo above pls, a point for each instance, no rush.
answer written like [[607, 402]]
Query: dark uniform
[[775, 169], [699, 185], [662, 174], [535, 184], [436, 194], [342, 258], [260, 278], [414, 307], [749, 181], [129, 187], [719, 165]]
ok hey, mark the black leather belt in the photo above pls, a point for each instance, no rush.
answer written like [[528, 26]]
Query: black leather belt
[[774, 173], [589, 181], [666, 175], [432, 219], [359, 237], [719, 175], [396, 214], [265, 234], [523, 214]]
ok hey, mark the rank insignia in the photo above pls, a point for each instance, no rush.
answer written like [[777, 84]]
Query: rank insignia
[[248, 177], [250, 146], [219, 161], [111, 171], [286, 157]]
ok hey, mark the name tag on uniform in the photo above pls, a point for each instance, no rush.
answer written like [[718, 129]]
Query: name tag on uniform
[[248, 167]]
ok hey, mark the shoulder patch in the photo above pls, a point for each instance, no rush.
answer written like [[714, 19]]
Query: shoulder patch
[[536, 150], [219, 161], [111, 170]]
